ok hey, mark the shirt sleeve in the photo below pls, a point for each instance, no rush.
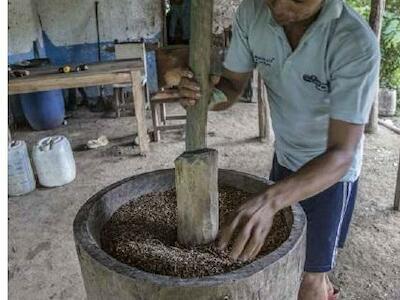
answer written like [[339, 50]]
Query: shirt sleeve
[[354, 84], [240, 58]]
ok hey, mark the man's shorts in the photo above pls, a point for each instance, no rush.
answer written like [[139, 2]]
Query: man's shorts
[[328, 220]]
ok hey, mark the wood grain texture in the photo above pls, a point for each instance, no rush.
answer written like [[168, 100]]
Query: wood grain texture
[[375, 21], [196, 181], [138, 101], [200, 63], [274, 277], [48, 78], [397, 193], [262, 112]]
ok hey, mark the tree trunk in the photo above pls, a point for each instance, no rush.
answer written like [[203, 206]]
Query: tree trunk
[[397, 193], [375, 21]]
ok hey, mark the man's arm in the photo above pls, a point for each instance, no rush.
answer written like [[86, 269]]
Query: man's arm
[[324, 170], [231, 84], [314, 177]]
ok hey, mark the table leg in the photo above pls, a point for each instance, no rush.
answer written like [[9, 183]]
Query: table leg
[[138, 101], [154, 112]]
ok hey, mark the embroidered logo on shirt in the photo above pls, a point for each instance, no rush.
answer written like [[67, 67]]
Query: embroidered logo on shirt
[[265, 61], [321, 86]]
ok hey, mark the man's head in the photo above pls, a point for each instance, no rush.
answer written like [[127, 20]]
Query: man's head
[[290, 12]]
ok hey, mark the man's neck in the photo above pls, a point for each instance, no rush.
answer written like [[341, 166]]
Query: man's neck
[[295, 31], [302, 25]]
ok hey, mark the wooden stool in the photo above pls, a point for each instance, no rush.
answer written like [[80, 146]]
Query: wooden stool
[[159, 114], [121, 101]]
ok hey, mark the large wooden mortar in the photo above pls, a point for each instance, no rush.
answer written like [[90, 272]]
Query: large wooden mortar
[[275, 276]]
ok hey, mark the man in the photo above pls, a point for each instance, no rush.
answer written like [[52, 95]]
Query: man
[[320, 63]]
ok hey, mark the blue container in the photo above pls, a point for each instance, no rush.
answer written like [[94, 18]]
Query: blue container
[[43, 110]]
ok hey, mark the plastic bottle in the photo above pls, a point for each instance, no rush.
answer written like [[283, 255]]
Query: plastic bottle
[[20, 174], [54, 161]]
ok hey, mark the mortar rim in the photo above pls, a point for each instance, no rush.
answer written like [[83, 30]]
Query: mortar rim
[[84, 239]]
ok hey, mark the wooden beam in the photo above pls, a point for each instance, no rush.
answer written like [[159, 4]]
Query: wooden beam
[[200, 62], [138, 101], [196, 170], [264, 114], [375, 21], [397, 193], [48, 83], [389, 126], [48, 78], [197, 197]]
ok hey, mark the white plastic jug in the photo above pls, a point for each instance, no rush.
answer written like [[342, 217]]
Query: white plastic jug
[[54, 161], [20, 174]]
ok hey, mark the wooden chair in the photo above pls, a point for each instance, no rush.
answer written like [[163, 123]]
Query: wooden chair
[[167, 58]]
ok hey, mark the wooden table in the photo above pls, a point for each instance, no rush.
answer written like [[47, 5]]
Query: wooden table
[[106, 73]]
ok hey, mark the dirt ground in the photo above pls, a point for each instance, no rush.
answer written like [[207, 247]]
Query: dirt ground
[[42, 259]]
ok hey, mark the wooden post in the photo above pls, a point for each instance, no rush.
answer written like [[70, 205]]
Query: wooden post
[[397, 193], [375, 21], [254, 87], [200, 63], [264, 115], [138, 101], [196, 172], [197, 197]]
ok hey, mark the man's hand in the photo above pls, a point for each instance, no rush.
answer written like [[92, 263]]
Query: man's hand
[[230, 83], [253, 221], [189, 89]]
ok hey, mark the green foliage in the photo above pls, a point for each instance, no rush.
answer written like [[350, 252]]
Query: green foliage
[[390, 40], [361, 6], [390, 47]]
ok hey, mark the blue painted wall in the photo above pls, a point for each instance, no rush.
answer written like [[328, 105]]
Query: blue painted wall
[[76, 54], [67, 29]]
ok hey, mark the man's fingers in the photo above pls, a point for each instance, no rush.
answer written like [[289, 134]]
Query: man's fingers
[[252, 245], [227, 232], [187, 73], [185, 102], [261, 238], [241, 241], [257, 250], [189, 84], [263, 235], [185, 93]]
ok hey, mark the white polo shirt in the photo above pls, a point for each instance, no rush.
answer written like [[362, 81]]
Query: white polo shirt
[[333, 73]]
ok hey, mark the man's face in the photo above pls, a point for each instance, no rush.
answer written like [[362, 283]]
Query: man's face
[[287, 12]]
